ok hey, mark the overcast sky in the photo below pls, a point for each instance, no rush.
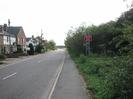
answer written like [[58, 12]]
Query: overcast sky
[[55, 17]]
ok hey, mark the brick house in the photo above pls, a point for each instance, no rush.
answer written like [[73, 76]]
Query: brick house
[[11, 38], [20, 36]]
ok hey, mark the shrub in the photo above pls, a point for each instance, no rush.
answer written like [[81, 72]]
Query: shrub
[[31, 52], [82, 59], [2, 57], [19, 49], [39, 48], [51, 45], [94, 69], [121, 79]]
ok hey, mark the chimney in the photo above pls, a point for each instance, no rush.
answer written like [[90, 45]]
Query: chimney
[[9, 22], [5, 27]]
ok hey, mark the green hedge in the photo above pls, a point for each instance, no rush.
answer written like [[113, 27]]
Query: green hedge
[[2, 57], [107, 77]]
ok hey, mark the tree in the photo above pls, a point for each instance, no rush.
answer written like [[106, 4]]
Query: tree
[[39, 48], [51, 45], [131, 3], [31, 51], [74, 41]]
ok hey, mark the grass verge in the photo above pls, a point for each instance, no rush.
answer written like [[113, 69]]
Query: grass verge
[[94, 69], [107, 77]]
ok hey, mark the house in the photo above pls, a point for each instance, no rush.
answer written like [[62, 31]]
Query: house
[[12, 39], [31, 40], [7, 41], [20, 36]]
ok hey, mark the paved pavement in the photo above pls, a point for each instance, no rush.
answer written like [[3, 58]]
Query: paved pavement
[[45, 76], [70, 84]]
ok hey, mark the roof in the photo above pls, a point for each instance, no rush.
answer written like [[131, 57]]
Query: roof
[[27, 39], [13, 30], [8, 34]]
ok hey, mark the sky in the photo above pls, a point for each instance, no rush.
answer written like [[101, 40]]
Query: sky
[[56, 17]]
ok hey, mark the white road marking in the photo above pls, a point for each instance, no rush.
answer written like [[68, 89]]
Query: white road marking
[[20, 61], [9, 76], [53, 84]]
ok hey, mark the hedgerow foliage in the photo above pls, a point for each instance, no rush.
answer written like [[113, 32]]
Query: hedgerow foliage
[[114, 37], [108, 79]]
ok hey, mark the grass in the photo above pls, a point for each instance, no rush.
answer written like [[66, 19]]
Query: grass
[[94, 70]]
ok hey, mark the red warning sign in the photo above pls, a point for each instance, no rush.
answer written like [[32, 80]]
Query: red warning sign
[[88, 38]]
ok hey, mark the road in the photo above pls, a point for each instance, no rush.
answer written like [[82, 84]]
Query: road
[[52, 75]]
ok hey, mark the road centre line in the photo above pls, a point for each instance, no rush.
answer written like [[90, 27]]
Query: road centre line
[[9, 76]]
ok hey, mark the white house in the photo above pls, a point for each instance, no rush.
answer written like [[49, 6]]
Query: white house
[[31, 40], [9, 42]]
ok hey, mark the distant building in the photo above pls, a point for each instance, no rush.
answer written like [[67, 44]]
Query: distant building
[[31, 40]]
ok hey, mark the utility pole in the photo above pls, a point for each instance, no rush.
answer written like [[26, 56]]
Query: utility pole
[[9, 22], [11, 47]]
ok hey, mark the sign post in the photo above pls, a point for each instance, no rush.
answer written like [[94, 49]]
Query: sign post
[[87, 39]]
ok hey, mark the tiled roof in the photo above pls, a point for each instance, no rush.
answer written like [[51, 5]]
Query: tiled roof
[[14, 30], [8, 34]]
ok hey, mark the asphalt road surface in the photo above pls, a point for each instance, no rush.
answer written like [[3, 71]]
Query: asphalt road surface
[[52, 75]]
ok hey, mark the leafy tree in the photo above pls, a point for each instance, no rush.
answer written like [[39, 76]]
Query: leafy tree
[[129, 5], [74, 41], [39, 48], [51, 45], [31, 51]]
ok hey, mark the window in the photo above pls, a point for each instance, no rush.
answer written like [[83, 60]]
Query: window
[[7, 38]]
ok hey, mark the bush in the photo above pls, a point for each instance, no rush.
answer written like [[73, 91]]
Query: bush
[[51, 45], [2, 57], [19, 49], [39, 48], [31, 52], [82, 59], [121, 79], [74, 41], [94, 70]]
